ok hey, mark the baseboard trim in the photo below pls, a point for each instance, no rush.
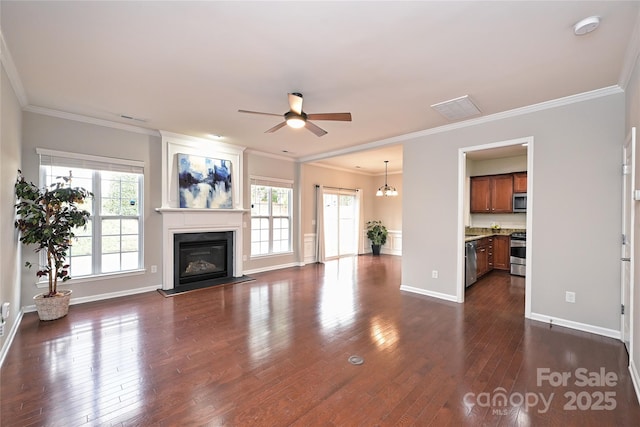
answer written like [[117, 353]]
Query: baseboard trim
[[433, 294], [100, 297], [611, 333], [10, 337], [274, 267]]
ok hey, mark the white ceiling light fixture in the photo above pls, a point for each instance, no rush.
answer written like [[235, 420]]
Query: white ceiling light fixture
[[587, 25], [386, 190], [457, 108], [294, 120]]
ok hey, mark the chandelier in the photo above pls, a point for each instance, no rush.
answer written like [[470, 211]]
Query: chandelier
[[386, 190]]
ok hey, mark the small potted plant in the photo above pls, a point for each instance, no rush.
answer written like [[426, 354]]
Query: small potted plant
[[47, 218], [377, 233]]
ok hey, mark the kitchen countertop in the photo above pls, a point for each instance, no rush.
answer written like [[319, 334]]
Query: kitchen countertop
[[472, 234], [476, 237]]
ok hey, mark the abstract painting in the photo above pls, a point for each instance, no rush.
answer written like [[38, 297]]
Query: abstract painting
[[204, 183]]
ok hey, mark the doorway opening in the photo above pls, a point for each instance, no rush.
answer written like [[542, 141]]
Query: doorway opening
[[487, 151], [341, 222]]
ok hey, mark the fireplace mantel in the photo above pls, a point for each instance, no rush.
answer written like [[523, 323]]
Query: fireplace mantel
[[208, 211], [176, 220]]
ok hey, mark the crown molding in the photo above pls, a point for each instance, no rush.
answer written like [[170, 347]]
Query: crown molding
[[560, 102], [270, 155], [12, 72], [340, 169], [189, 138], [90, 120]]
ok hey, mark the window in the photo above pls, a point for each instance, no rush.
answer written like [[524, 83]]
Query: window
[[270, 216], [112, 240]]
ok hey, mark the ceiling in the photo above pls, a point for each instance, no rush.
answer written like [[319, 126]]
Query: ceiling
[[188, 67]]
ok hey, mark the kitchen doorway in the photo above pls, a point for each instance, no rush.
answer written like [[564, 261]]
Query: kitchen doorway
[[495, 149]]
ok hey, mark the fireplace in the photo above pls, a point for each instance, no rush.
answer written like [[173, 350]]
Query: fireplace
[[202, 259]]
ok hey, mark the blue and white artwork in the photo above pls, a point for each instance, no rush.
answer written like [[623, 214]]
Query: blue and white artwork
[[204, 183]]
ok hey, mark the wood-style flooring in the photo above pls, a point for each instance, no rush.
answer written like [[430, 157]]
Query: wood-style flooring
[[274, 352]]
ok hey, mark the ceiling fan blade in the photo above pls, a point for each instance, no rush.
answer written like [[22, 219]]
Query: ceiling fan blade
[[276, 127], [341, 117], [318, 131], [295, 103], [259, 112]]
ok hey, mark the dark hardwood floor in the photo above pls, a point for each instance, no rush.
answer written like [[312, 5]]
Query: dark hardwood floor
[[274, 352]]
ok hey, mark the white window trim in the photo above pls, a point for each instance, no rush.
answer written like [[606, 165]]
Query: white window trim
[[94, 162], [280, 183]]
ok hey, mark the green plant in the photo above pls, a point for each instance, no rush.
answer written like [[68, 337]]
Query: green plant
[[377, 233], [47, 218]]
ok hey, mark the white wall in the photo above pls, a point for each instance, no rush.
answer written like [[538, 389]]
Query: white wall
[[633, 119], [267, 166], [497, 166], [576, 198], [10, 162], [78, 137]]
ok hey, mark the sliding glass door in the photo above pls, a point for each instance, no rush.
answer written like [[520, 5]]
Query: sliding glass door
[[341, 215]]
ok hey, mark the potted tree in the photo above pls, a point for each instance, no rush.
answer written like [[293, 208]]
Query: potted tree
[[47, 218], [377, 233]]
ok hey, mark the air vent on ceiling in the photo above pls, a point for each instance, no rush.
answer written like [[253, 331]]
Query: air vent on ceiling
[[458, 108], [135, 119]]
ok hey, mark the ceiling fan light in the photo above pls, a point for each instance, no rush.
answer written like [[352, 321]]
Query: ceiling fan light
[[295, 122]]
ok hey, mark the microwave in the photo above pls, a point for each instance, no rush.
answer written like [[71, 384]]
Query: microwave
[[519, 202]]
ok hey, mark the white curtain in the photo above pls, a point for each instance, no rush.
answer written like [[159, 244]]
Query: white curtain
[[360, 221], [319, 223]]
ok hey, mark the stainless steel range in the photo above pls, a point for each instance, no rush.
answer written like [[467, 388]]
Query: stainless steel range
[[518, 253]]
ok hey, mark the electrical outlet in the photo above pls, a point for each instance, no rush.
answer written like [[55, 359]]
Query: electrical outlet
[[434, 274], [5, 310], [154, 268], [570, 296]]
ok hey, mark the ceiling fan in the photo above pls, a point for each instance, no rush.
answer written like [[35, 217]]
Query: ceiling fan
[[296, 118]]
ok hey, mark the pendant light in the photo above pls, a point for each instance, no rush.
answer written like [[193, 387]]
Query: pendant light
[[386, 190]]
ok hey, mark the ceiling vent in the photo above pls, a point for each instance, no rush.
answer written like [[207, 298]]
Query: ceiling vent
[[135, 119], [458, 108]]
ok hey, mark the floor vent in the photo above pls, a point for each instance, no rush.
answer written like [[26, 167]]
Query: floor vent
[[356, 360]]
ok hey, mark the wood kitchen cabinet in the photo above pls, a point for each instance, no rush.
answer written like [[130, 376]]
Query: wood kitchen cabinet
[[520, 182], [480, 194], [502, 194], [492, 194], [482, 257], [501, 252]]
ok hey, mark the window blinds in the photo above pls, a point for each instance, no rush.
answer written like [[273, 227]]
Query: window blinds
[[271, 182], [85, 161]]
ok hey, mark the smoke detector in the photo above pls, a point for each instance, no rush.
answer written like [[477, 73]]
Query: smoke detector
[[587, 25]]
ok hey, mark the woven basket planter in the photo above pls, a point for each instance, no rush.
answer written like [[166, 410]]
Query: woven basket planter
[[54, 307]]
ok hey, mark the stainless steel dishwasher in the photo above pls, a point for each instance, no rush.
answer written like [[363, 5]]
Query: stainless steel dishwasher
[[471, 263]]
